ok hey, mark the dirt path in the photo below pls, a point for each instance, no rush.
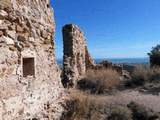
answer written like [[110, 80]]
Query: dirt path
[[125, 97]]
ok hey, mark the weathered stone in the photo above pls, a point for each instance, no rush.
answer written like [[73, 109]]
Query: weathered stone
[[74, 66], [2, 40], [44, 34], [3, 27], [76, 59], [12, 48], [1, 22], [31, 39], [11, 27], [26, 44], [3, 14], [47, 41], [30, 86], [11, 34], [8, 40], [88, 60], [19, 46], [7, 23], [33, 33], [19, 28], [21, 38], [1, 33]]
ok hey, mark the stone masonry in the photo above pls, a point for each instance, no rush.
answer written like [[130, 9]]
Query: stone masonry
[[74, 66], [89, 60], [30, 86], [76, 59]]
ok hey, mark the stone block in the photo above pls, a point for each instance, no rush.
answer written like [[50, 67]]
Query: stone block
[[31, 39], [19, 28], [1, 33], [3, 27], [12, 48], [21, 38], [11, 27], [11, 34], [3, 14], [8, 40]]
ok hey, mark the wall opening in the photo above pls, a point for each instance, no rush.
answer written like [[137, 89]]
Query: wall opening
[[28, 67]]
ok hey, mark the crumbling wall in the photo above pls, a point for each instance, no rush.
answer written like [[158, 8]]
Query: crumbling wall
[[74, 66], [90, 64], [76, 59], [26, 31]]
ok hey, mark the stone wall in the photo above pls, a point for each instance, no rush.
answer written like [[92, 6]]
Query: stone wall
[[76, 59], [26, 31], [74, 66], [89, 60]]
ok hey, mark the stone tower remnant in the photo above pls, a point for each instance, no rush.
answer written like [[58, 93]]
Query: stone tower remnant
[[30, 86], [76, 59], [74, 66]]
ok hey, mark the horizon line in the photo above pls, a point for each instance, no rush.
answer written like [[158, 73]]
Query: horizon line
[[117, 58]]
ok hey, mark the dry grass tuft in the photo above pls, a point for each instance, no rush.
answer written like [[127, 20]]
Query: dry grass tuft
[[83, 103], [86, 106], [97, 81], [145, 74], [120, 113]]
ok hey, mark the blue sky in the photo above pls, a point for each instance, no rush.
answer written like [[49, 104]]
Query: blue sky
[[113, 28]]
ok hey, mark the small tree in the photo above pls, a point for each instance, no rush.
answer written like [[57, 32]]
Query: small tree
[[155, 56]]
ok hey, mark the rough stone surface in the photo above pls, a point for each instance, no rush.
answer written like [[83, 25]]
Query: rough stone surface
[[33, 97], [74, 66], [76, 59], [89, 60]]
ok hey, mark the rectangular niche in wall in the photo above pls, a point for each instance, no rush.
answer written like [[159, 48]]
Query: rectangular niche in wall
[[28, 67]]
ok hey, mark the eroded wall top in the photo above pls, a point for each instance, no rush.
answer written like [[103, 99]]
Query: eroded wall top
[[38, 10], [30, 86], [74, 55]]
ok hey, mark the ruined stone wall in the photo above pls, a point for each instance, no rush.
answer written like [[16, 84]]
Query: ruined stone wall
[[74, 66], [76, 59], [89, 60], [26, 31]]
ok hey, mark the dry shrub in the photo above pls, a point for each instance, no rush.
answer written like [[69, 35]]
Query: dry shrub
[[120, 113], [83, 103], [140, 112], [144, 74], [86, 106], [97, 81], [95, 107]]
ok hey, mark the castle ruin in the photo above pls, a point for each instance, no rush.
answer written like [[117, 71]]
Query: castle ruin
[[76, 59], [30, 85], [74, 66]]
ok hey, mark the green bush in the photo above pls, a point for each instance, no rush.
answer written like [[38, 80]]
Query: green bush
[[155, 56]]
